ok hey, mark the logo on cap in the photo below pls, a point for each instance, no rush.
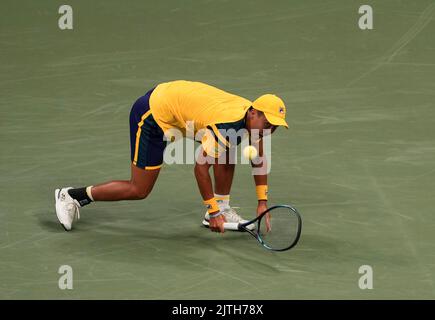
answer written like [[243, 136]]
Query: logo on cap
[[281, 110]]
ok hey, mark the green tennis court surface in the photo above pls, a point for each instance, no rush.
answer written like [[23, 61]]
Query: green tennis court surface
[[358, 161]]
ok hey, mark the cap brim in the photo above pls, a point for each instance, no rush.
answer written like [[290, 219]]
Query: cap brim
[[276, 121]]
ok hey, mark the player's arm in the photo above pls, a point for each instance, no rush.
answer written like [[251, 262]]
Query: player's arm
[[259, 167], [202, 175], [203, 178]]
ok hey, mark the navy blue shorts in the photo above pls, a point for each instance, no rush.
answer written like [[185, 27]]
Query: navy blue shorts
[[146, 137]]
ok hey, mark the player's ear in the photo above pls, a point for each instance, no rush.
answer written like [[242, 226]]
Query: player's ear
[[250, 112], [253, 112]]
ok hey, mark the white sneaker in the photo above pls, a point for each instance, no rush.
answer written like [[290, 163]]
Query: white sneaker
[[67, 209], [232, 218]]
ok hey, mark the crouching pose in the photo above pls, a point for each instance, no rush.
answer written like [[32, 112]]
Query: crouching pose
[[173, 105]]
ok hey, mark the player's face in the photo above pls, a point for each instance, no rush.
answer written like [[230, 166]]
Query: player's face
[[268, 127], [257, 121]]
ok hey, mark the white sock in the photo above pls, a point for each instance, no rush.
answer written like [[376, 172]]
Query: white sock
[[223, 201], [89, 193]]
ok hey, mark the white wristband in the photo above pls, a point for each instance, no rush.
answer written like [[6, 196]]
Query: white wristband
[[214, 215]]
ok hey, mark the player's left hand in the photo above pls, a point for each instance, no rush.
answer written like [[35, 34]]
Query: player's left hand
[[217, 224], [262, 206]]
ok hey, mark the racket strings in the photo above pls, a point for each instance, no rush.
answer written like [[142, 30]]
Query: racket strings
[[284, 229]]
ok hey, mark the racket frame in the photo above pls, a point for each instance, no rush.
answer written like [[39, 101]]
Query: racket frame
[[256, 232]]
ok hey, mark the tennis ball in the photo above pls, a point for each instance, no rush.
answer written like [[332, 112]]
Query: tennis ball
[[250, 152]]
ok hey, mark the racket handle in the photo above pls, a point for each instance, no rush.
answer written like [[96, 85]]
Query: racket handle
[[234, 226]]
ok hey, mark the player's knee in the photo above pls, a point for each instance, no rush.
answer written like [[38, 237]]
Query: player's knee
[[139, 193], [142, 194]]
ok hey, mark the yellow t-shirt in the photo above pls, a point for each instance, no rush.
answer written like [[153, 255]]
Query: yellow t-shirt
[[175, 103]]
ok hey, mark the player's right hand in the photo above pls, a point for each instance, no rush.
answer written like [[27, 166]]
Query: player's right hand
[[217, 224], [262, 206]]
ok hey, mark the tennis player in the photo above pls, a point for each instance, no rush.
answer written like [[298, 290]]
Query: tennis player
[[175, 105]]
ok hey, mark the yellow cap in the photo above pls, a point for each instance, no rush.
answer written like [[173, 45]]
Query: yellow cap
[[273, 108]]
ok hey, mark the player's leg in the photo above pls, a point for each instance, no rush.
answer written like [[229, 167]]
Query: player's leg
[[138, 187], [147, 147], [223, 180], [69, 200]]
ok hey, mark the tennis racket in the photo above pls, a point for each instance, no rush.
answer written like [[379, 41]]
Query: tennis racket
[[285, 228]]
